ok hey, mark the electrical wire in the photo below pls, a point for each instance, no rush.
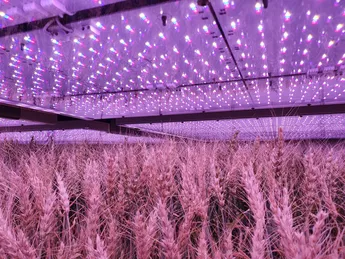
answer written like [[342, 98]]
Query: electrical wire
[[63, 26], [48, 24]]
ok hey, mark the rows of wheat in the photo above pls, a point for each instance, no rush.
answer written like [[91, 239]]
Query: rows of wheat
[[172, 199]]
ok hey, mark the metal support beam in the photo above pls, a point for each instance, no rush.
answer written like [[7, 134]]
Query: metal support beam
[[19, 113], [220, 28], [122, 130], [117, 125], [236, 114], [61, 122], [8, 112], [87, 125], [63, 125], [185, 86]]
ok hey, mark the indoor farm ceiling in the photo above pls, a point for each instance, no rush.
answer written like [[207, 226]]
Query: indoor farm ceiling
[[108, 60]]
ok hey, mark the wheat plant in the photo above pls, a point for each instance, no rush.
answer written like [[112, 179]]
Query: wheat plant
[[173, 199]]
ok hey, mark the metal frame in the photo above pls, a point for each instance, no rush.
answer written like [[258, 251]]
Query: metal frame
[[119, 125], [210, 6], [183, 86], [20, 113], [62, 125], [81, 124], [237, 114], [60, 122]]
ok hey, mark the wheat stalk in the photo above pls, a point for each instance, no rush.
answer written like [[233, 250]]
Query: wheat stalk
[[170, 249], [267, 199]]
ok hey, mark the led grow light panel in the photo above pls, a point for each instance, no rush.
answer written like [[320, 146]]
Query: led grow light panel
[[133, 51], [205, 98], [71, 136], [283, 92], [297, 90], [306, 127], [287, 37], [136, 66]]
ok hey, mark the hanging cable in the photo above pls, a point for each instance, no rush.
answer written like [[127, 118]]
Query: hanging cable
[[48, 24], [66, 29]]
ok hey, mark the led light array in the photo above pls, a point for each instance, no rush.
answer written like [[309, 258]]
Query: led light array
[[296, 91], [71, 136], [298, 36], [136, 52], [201, 98], [324, 126], [138, 72]]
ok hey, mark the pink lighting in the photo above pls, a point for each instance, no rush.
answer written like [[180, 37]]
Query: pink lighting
[[258, 7], [315, 19], [309, 37], [128, 49], [339, 27], [287, 15], [2, 14]]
